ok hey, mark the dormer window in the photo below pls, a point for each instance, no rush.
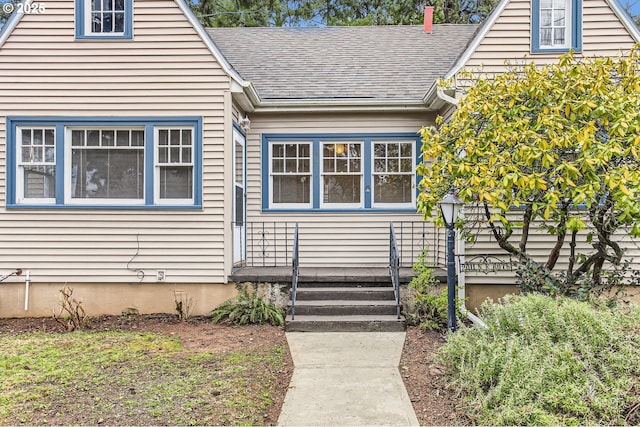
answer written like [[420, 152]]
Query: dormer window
[[104, 19], [556, 25]]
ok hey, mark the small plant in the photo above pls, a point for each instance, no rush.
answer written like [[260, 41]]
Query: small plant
[[184, 305], [248, 308], [71, 316], [548, 361], [430, 306]]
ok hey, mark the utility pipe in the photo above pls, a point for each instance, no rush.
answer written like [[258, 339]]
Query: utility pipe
[[27, 282]]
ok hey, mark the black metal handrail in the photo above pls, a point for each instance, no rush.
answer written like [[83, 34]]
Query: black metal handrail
[[394, 266], [294, 273]]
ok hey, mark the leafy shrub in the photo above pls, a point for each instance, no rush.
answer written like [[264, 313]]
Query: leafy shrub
[[546, 361], [248, 308], [430, 306], [610, 285]]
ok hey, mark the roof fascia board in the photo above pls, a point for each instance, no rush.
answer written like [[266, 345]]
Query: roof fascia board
[[226, 66], [346, 105], [10, 25], [488, 24], [626, 19]]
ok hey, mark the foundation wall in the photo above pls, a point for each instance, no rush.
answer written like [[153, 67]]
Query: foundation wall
[[110, 298]]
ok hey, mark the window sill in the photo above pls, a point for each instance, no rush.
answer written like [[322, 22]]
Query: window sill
[[341, 211], [124, 37], [105, 207], [538, 51]]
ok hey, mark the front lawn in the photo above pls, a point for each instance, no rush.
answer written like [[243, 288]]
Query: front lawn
[[133, 378]]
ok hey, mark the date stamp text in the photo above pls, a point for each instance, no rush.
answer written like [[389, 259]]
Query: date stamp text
[[30, 8]]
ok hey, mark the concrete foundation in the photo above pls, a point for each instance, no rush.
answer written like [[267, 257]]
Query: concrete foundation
[[113, 298]]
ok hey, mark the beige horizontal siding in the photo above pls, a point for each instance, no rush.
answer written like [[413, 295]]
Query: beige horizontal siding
[[331, 239], [539, 247], [166, 70], [510, 37]]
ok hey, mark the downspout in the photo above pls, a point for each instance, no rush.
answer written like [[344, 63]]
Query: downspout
[[446, 98]]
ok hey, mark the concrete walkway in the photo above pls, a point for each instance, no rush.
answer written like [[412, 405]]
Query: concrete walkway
[[346, 379]]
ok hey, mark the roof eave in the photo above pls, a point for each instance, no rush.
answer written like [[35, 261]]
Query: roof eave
[[479, 36], [341, 105], [204, 36], [9, 26], [626, 20]]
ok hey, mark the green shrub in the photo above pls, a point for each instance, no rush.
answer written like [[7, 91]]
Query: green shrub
[[430, 305], [546, 361], [248, 308]]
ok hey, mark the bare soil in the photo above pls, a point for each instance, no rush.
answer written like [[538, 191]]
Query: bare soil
[[433, 401]]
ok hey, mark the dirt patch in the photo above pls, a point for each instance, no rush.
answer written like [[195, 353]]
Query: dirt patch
[[433, 401]]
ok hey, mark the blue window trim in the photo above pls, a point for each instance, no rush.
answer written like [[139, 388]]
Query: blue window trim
[[60, 123], [82, 33], [576, 29], [315, 139]]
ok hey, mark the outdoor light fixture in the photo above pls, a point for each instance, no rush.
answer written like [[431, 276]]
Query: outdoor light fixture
[[245, 123], [450, 207]]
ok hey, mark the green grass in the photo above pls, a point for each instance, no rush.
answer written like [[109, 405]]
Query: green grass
[[546, 361], [128, 378]]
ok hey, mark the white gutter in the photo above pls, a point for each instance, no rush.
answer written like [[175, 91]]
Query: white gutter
[[446, 98], [340, 105]]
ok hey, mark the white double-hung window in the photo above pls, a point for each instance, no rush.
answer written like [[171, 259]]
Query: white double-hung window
[[556, 25], [290, 171], [36, 165], [342, 174], [174, 164], [393, 173], [99, 19]]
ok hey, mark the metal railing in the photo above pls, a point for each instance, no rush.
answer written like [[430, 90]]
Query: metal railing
[[394, 266], [294, 273], [413, 237], [266, 243]]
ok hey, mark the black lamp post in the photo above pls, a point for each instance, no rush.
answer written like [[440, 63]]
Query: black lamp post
[[450, 207]]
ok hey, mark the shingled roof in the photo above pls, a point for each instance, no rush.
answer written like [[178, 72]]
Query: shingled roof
[[372, 62]]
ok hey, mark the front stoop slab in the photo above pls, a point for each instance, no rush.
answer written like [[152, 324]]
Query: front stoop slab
[[352, 323]]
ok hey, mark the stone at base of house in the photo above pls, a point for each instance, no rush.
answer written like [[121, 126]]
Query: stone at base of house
[[114, 298], [277, 294]]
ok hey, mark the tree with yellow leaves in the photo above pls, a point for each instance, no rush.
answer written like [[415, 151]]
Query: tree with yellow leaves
[[556, 145]]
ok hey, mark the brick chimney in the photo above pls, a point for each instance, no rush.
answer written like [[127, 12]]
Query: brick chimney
[[428, 19]]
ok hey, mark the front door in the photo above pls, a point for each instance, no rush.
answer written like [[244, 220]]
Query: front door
[[239, 202]]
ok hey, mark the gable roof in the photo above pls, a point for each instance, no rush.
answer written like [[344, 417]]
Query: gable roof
[[391, 64]]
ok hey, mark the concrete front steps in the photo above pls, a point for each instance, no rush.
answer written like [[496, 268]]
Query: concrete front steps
[[345, 306]]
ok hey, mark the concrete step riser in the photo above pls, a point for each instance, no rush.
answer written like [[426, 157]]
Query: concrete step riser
[[307, 285], [345, 310], [364, 295], [344, 326]]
